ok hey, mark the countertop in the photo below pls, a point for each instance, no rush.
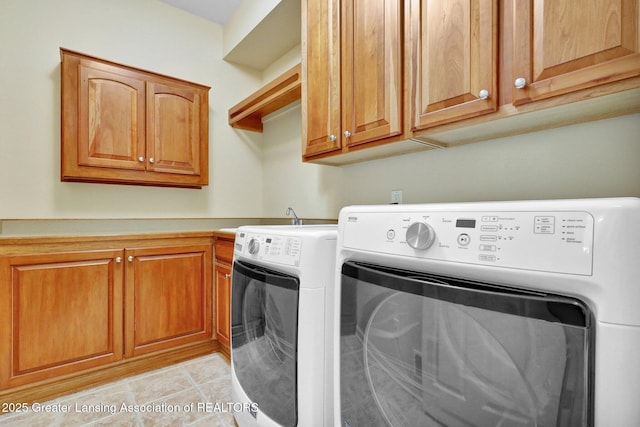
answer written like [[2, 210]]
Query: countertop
[[45, 228]]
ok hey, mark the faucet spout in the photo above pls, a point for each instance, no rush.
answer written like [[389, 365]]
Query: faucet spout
[[295, 220]]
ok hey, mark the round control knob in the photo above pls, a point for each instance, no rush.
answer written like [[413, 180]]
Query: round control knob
[[254, 246], [420, 235]]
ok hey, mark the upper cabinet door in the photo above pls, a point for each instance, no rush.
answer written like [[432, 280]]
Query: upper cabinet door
[[111, 125], [562, 46], [371, 70], [320, 76], [173, 129], [452, 60]]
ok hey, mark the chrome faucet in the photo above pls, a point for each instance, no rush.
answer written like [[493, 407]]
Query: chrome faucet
[[295, 220]]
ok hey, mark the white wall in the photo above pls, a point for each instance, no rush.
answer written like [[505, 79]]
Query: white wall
[[597, 159], [144, 33]]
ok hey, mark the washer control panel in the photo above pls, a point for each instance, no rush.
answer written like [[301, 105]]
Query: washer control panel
[[273, 248], [559, 242]]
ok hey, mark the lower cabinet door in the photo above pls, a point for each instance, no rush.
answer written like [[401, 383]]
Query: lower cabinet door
[[59, 313], [223, 299], [168, 297]]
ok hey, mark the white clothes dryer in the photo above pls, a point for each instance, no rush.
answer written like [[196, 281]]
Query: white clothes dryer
[[281, 339], [489, 314]]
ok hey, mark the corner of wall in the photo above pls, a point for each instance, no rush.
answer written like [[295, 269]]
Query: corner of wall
[[282, 64]]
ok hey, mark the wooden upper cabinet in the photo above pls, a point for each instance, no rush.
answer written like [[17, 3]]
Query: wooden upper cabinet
[[125, 125], [371, 70], [113, 133], [453, 60], [562, 46], [320, 76], [351, 73], [173, 129]]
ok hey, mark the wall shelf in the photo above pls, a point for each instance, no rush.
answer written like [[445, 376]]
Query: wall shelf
[[282, 91]]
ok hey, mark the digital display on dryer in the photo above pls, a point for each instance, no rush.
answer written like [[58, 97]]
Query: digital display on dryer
[[466, 223]]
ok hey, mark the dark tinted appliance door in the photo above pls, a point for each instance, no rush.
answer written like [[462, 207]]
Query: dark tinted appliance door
[[423, 350], [264, 329]]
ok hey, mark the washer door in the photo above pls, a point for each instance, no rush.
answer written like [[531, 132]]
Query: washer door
[[264, 345], [423, 350]]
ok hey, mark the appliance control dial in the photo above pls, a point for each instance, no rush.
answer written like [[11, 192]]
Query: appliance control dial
[[420, 235], [254, 246]]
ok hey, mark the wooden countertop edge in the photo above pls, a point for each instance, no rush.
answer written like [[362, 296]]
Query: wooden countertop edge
[[90, 237], [224, 235]]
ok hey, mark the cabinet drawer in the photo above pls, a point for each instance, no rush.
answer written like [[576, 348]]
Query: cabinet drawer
[[224, 250]]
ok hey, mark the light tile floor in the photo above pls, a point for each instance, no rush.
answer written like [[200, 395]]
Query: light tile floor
[[193, 393]]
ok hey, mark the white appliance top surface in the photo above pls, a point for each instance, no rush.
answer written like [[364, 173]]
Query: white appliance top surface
[[557, 236], [296, 249], [298, 230]]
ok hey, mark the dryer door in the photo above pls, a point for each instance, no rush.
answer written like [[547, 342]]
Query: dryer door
[[418, 349], [264, 345]]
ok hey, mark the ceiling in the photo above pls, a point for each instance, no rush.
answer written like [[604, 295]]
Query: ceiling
[[218, 11]]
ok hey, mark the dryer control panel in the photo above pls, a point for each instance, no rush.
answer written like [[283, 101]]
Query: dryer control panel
[[273, 248], [560, 242]]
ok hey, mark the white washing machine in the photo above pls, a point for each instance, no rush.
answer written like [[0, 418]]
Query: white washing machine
[[281, 343], [489, 314]]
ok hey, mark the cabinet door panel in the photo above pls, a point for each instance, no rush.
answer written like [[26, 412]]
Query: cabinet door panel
[[66, 314], [372, 70], [173, 128], [454, 58], [125, 125], [223, 302], [168, 297], [562, 46], [111, 127], [320, 76]]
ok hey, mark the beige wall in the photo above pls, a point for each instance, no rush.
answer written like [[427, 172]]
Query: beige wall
[[144, 33], [252, 174], [313, 191], [597, 159]]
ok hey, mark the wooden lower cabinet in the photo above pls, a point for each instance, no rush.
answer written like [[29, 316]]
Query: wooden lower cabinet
[[61, 313], [223, 262], [76, 313], [223, 296], [168, 297]]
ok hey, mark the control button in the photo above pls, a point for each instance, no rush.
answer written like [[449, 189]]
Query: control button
[[489, 228], [464, 239], [488, 238], [420, 235], [544, 225], [490, 248], [489, 218], [391, 234], [489, 258]]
